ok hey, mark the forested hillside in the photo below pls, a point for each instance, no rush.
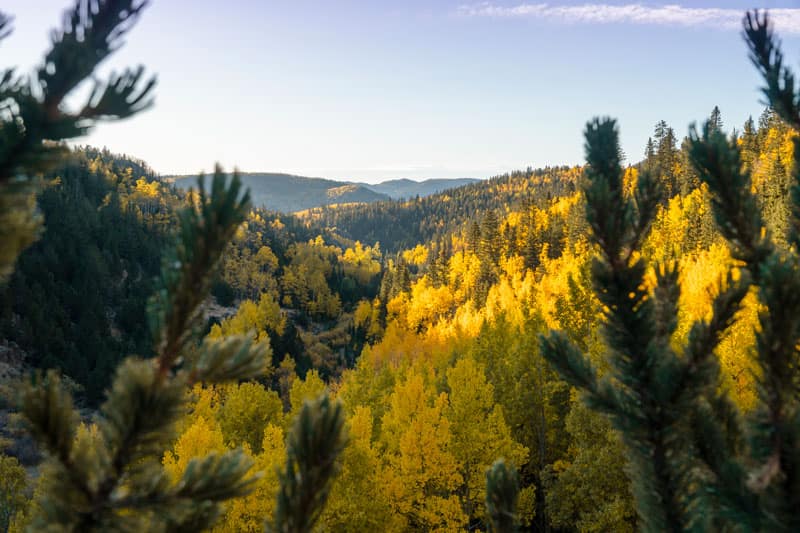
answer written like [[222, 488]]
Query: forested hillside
[[401, 225], [287, 193], [404, 188], [76, 298], [421, 316]]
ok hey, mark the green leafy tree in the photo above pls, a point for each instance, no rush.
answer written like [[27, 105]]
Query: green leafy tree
[[479, 429], [695, 461], [247, 410], [588, 490], [13, 498]]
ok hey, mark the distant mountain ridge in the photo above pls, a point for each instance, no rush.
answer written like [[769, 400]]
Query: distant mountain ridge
[[405, 188], [289, 193]]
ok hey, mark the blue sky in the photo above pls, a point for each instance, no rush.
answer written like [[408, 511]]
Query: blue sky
[[385, 89]]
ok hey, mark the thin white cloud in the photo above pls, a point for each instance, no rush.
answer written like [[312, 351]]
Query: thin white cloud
[[786, 20]]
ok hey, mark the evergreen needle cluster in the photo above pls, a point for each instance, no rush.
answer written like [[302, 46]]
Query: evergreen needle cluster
[[111, 477], [34, 117], [313, 449], [696, 462]]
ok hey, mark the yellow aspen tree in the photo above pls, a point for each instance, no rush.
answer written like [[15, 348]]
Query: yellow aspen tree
[[358, 500], [422, 473], [247, 514]]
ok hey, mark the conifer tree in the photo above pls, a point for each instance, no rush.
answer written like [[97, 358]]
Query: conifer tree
[[489, 246], [749, 143], [666, 156], [649, 154], [715, 119], [696, 462], [502, 491]]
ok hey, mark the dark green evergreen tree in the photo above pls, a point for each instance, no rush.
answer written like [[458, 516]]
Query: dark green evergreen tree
[[687, 178], [715, 120], [474, 236], [502, 492], [766, 121], [489, 250], [650, 155], [402, 277], [437, 264], [490, 245], [532, 241]]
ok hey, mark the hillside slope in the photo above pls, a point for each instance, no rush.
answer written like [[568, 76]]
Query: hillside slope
[[288, 193], [398, 225]]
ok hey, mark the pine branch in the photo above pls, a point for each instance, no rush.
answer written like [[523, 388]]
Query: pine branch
[[92, 30], [52, 420], [766, 55], [705, 336], [781, 94], [735, 208], [121, 97], [502, 492], [576, 369], [233, 358], [609, 216], [645, 372], [666, 295], [198, 517], [137, 418], [116, 480], [217, 477], [32, 115], [5, 25], [775, 426], [718, 479], [313, 448], [174, 311], [654, 396], [768, 499], [720, 482]]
